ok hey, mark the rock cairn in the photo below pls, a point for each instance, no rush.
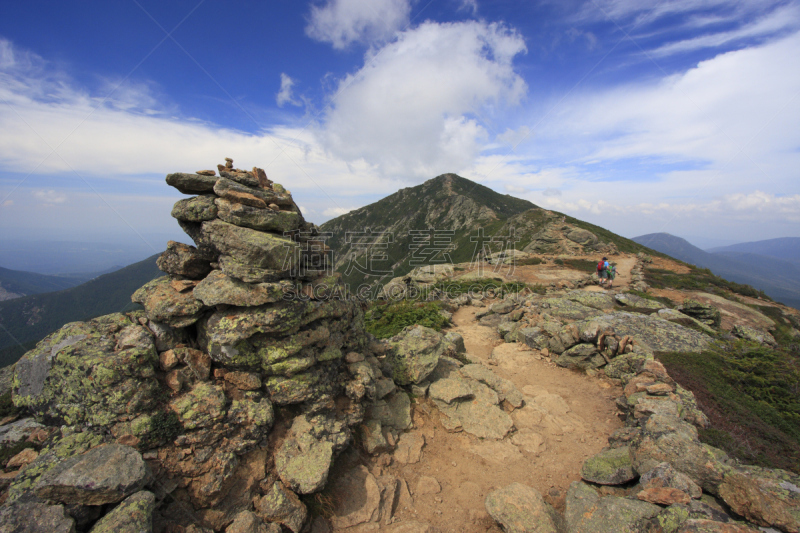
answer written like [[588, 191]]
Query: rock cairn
[[228, 397]]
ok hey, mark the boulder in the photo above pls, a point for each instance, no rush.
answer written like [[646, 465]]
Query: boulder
[[184, 261], [582, 236], [449, 390], [217, 288], [105, 474], [18, 431], [658, 334], [192, 183], [252, 247], [409, 448], [753, 334], [673, 315], [596, 300], [613, 466], [521, 509], [304, 459], [249, 522], [262, 219], [196, 209], [770, 498], [35, 517], [479, 415], [283, 506], [414, 354], [581, 356], [587, 512], [162, 303], [393, 412], [569, 309], [133, 515], [705, 313], [89, 372], [664, 476]]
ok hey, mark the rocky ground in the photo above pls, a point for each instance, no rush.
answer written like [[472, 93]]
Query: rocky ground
[[247, 398]]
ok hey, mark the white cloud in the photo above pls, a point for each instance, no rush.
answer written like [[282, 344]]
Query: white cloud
[[409, 112], [337, 211], [470, 5], [342, 22], [50, 196], [285, 95]]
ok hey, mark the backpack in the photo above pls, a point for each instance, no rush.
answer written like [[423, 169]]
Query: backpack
[[601, 266]]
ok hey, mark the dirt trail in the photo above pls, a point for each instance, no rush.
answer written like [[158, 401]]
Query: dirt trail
[[545, 452]]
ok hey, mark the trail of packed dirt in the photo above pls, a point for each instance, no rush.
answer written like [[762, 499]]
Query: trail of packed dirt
[[566, 418]]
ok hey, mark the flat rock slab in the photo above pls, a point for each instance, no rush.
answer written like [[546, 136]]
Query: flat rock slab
[[521, 509], [18, 431], [106, 474], [362, 498], [500, 452], [409, 448], [659, 334], [631, 300]]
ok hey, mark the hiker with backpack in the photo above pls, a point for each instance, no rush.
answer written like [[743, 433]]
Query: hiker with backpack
[[611, 273], [602, 267]]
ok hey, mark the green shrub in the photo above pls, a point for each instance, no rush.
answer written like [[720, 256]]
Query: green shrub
[[751, 394], [386, 320]]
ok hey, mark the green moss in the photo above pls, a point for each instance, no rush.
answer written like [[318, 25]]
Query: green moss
[[386, 320]]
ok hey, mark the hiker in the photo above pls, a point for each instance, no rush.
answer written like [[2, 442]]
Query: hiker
[[601, 270], [611, 273]]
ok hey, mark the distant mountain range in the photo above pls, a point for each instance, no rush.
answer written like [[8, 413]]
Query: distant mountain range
[[776, 271], [783, 248], [26, 320]]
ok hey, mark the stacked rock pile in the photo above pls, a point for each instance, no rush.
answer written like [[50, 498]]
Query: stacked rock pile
[[228, 396]]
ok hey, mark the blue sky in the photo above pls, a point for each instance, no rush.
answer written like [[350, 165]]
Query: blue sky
[[680, 116]]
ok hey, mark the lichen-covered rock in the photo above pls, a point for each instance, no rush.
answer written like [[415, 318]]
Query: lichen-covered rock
[[581, 356], [252, 247], [249, 522], [770, 498], [414, 354], [587, 512], [612, 466], [479, 415], [581, 236], [217, 288], [18, 431], [191, 183], [596, 300], [184, 261], [673, 315], [658, 334], [133, 515], [521, 509], [89, 372], [450, 389], [163, 303], [105, 474], [394, 411], [698, 525], [35, 517], [283, 506], [201, 407], [569, 309], [304, 459], [664, 476], [631, 300], [262, 219], [705, 313], [196, 209], [753, 334]]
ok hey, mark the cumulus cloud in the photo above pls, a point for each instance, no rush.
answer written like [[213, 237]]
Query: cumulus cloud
[[285, 95], [410, 110], [343, 22]]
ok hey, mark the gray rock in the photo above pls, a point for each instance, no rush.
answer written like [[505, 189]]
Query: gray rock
[[105, 474], [35, 517], [581, 356], [503, 307], [192, 183], [283, 506], [664, 476], [658, 334], [231, 190], [258, 218], [673, 315], [196, 209], [409, 448], [363, 499], [372, 438], [249, 522], [163, 303], [450, 389], [184, 261], [304, 459], [394, 412], [252, 247], [596, 300], [753, 334], [609, 467], [504, 388], [133, 515], [564, 308], [18, 431], [707, 314], [414, 354], [217, 288], [587, 512], [521, 509], [582, 236], [480, 416]]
